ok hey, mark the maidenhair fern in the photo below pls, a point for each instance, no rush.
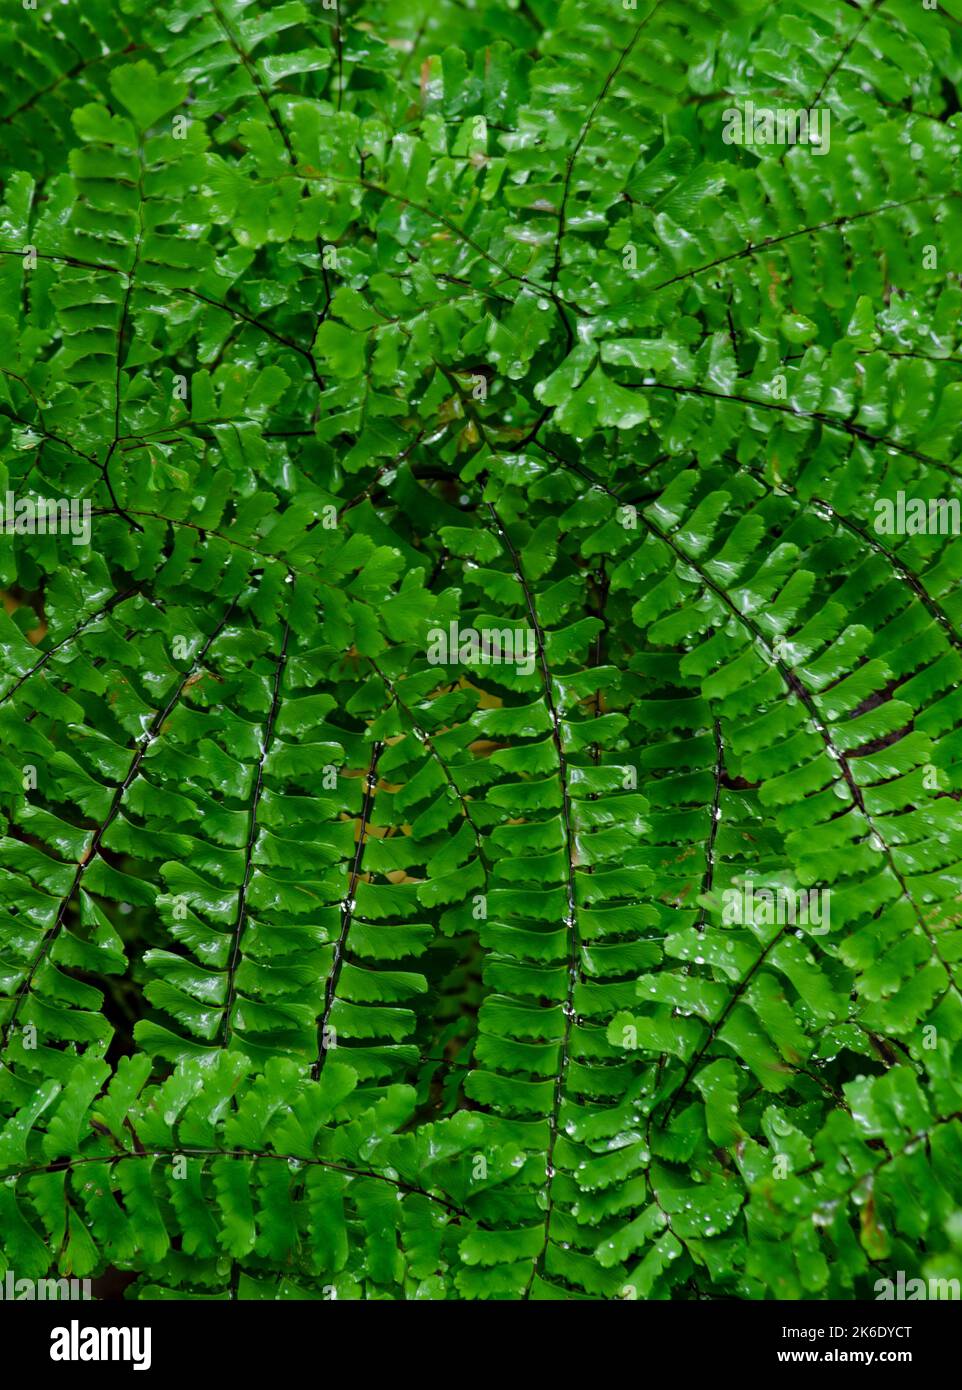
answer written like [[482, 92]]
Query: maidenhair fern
[[480, 705]]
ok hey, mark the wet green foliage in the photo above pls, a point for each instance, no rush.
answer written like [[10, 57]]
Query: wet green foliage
[[334, 967]]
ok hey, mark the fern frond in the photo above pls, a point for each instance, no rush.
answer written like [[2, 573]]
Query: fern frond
[[481, 738]]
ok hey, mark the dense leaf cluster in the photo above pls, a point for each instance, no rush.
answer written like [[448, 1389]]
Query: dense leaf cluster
[[333, 967]]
